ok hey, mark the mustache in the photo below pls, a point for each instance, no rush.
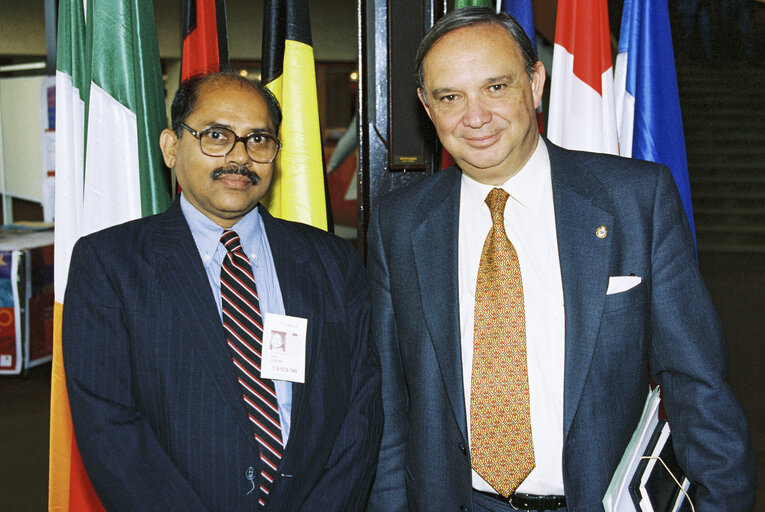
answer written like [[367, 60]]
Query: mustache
[[238, 171]]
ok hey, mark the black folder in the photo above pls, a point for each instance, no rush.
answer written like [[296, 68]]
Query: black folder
[[652, 484]]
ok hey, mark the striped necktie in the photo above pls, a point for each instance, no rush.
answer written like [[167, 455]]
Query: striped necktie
[[243, 324], [501, 444]]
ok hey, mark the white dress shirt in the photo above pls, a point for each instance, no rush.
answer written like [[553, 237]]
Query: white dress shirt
[[530, 226]]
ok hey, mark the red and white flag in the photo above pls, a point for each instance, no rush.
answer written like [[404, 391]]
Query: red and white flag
[[582, 108]]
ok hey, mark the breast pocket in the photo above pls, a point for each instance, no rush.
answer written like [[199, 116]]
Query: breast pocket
[[626, 299]]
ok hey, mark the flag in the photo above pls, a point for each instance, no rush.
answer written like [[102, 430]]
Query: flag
[[649, 120], [582, 114], [109, 73], [523, 13], [473, 3], [298, 190], [125, 177], [205, 39], [69, 485]]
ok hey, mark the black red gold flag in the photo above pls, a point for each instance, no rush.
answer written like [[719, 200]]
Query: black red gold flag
[[205, 39]]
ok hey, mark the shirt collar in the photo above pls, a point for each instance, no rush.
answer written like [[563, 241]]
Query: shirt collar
[[526, 188], [207, 233]]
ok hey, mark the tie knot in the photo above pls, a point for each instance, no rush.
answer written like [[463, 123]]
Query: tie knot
[[230, 241], [496, 201]]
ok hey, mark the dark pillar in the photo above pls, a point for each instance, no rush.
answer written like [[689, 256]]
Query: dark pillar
[[397, 142]]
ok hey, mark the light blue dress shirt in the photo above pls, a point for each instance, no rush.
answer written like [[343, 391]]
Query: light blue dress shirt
[[252, 234]]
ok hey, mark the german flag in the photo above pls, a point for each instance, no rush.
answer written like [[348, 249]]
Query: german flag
[[205, 40], [298, 191]]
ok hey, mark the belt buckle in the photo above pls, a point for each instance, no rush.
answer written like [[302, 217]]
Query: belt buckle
[[510, 502], [531, 502]]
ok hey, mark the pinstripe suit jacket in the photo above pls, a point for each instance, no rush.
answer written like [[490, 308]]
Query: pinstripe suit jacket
[[156, 408]]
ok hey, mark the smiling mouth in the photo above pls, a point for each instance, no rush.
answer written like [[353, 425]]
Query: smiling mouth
[[235, 171], [484, 140]]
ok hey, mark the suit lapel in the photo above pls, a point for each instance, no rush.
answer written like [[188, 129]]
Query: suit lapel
[[584, 262], [434, 246], [183, 276]]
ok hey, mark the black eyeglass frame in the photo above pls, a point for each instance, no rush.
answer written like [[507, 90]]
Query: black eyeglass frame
[[243, 139]]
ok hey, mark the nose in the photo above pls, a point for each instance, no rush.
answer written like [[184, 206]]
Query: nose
[[238, 154], [476, 114]]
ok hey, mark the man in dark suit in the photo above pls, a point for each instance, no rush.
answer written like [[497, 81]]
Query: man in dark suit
[[169, 406], [522, 299]]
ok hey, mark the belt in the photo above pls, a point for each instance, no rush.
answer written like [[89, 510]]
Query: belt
[[521, 501]]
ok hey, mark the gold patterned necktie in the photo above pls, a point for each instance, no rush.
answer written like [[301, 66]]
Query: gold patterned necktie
[[502, 447]]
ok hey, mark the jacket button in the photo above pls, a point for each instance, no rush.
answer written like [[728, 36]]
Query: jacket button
[[249, 473], [463, 449], [463, 508]]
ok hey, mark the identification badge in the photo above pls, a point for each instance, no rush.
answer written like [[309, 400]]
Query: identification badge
[[283, 355]]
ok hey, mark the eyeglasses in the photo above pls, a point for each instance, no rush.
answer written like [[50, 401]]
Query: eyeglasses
[[261, 147]]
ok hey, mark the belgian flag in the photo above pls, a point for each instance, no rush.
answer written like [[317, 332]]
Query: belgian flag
[[298, 191], [205, 39]]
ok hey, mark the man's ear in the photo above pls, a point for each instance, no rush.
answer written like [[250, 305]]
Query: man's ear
[[168, 142], [421, 95], [538, 76]]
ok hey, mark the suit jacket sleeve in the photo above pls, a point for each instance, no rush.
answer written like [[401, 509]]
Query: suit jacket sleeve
[[347, 474], [128, 468], [688, 358], [389, 488]]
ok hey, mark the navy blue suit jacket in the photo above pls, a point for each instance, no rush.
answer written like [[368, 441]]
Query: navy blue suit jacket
[[157, 411], [667, 323]]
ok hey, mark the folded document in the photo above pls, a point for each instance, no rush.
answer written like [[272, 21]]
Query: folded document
[[648, 478]]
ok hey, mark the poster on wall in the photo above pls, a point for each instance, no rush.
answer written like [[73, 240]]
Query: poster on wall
[[40, 306], [10, 338], [26, 299]]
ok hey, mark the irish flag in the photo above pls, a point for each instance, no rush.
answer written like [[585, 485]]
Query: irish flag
[[69, 486], [648, 114], [109, 112], [582, 112], [458, 4], [298, 191]]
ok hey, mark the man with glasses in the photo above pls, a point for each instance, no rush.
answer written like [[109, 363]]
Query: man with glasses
[[163, 329]]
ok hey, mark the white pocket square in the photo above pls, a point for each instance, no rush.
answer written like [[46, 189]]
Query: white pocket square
[[619, 284]]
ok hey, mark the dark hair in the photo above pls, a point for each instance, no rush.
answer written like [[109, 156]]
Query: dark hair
[[185, 100], [467, 17]]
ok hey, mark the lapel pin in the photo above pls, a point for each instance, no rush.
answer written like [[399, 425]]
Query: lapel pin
[[601, 232]]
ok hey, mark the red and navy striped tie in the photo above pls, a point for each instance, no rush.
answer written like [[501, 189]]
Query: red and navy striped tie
[[244, 334]]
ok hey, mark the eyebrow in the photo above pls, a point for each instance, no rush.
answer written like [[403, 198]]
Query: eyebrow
[[441, 90], [251, 131], [500, 78], [488, 81]]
